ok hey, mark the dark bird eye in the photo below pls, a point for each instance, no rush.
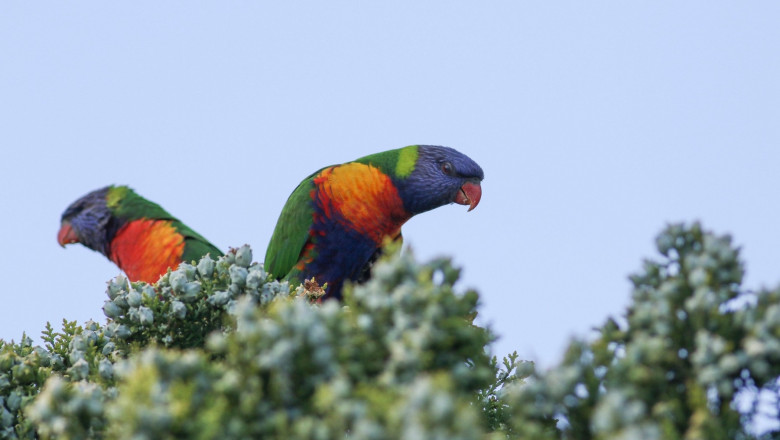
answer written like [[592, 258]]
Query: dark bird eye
[[447, 169]]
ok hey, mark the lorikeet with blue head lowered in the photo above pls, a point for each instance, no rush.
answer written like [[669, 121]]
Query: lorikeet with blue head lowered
[[334, 224], [142, 238]]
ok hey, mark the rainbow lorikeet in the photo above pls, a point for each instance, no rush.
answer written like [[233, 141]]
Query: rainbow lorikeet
[[334, 224], [142, 238]]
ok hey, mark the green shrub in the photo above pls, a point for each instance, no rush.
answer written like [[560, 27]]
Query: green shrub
[[218, 349]]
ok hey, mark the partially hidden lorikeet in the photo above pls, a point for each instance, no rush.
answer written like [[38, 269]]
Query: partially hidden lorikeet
[[142, 238], [334, 224]]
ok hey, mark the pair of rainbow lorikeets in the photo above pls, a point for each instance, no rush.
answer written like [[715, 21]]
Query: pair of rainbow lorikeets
[[332, 227]]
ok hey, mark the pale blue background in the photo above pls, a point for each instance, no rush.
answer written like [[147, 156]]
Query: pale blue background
[[596, 124]]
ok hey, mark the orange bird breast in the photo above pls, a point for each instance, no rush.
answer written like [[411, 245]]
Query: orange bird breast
[[145, 249], [366, 199]]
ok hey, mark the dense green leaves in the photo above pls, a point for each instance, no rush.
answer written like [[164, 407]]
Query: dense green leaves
[[219, 350], [693, 341]]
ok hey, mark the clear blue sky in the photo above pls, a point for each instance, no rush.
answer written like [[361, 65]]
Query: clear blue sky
[[596, 124]]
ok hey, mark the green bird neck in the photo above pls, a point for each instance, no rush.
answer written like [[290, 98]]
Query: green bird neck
[[398, 163], [125, 204]]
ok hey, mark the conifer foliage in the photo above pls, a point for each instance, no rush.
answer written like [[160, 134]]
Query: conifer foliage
[[218, 349]]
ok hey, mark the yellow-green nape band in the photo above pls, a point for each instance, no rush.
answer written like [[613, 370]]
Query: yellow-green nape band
[[115, 194], [406, 161]]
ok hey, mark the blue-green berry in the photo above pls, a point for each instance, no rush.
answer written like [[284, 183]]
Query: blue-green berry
[[244, 256], [134, 298], [206, 266], [179, 309]]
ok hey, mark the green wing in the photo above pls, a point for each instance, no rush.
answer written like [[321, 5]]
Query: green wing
[[292, 230], [128, 205], [195, 246]]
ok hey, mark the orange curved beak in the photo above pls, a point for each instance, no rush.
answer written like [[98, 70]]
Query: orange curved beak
[[469, 194], [66, 235]]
